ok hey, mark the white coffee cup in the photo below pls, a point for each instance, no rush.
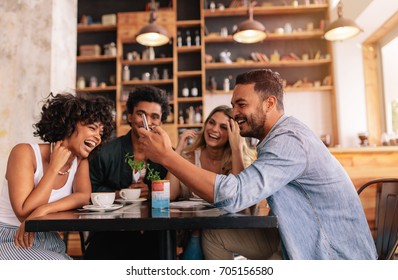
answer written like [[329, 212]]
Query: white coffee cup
[[103, 199], [130, 194]]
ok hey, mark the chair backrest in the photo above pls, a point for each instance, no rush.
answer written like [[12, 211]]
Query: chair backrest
[[386, 220]]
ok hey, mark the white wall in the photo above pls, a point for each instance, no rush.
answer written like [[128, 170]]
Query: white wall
[[38, 54], [312, 108], [349, 78]]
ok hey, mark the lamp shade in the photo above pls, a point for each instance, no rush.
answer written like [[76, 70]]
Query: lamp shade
[[250, 31], [342, 28], [152, 35]]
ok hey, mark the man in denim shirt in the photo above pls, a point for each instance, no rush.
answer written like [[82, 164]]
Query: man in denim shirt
[[319, 213]]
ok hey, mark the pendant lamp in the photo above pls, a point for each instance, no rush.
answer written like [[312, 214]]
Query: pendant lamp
[[152, 35], [250, 31], [342, 28]]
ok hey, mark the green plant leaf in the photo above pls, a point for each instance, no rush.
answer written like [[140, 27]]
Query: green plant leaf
[[134, 164], [152, 174]]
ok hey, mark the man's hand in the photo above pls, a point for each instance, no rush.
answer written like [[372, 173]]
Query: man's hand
[[235, 140], [144, 189], [156, 143]]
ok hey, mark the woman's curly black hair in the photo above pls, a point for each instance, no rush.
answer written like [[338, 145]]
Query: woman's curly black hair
[[61, 113]]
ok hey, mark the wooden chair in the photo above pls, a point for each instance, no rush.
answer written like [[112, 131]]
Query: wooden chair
[[386, 215]]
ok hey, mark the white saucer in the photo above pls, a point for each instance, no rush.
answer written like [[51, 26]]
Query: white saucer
[[196, 199], [102, 208], [122, 200]]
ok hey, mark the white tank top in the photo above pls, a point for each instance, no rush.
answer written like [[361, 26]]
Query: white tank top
[[7, 214], [185, 191]]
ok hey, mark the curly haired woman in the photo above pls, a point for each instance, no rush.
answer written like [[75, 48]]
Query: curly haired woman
[[52, 176]]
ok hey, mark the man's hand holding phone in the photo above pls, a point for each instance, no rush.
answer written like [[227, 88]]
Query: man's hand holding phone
[[144, 120]]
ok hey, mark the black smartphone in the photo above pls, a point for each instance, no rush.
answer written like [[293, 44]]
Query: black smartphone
[[145, 121]]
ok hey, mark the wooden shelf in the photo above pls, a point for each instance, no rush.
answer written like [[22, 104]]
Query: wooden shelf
[[185, 49], [316, 34], [300, 89], [95, 28], [188, 23], [150, 82], [186, 74], [96, 89], [270, 10], [287, 89], [94, 58], [189, 99], [165, 60], [294, 63]]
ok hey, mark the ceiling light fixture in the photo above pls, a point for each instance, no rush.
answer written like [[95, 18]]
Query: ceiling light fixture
[[250, 31], [342, 28], [152, 35]]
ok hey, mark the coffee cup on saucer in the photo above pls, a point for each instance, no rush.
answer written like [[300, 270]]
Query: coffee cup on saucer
[[130, 194], [103, 199]]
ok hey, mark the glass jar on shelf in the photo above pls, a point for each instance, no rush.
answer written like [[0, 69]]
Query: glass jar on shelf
[[81, 83], [126, 73], [93, 82], [194, 90], [185, 90]]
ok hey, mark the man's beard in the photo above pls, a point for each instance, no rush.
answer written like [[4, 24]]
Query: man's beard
[[255, 126]]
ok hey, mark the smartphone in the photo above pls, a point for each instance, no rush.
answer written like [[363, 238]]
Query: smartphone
[[145, 121]]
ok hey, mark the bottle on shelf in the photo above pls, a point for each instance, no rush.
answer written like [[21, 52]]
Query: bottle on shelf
[[212, 6], [124, 117], [185, 90], [188, 39], [198, 115], [165, 75], [93, 82], [191, 115], [126, 73], [179, 39], [197, 38], [180, 117], [194, 90], [226, 85], [155, 74], [212, 84], [81, 83]]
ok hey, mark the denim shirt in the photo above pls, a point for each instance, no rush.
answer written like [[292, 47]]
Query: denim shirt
[[319, 212]]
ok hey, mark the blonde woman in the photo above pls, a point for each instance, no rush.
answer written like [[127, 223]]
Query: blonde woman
[[219, 148]]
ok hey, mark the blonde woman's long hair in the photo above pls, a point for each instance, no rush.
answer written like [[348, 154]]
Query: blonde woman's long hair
[[249, 155]]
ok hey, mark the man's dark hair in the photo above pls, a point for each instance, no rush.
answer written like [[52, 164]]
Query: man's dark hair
[[266, 82], [149, 94]]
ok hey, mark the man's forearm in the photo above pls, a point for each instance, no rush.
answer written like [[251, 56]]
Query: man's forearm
[[200, 181]]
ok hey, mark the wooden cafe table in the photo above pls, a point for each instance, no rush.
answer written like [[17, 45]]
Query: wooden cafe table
[[141, 216]]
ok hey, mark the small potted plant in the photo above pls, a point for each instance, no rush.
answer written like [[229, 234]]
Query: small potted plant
[[152, 174], [160, 188], [137, 167]]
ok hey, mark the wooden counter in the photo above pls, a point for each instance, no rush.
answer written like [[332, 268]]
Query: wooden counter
[[367, 163], [364, 164]]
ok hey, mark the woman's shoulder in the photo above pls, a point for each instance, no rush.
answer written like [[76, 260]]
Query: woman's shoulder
[[20, 154], [22, 148]]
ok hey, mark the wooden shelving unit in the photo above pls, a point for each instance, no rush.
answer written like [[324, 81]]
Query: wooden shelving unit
[[186, 64]]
